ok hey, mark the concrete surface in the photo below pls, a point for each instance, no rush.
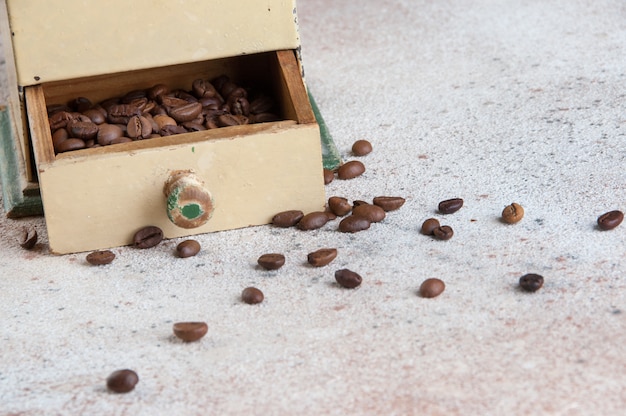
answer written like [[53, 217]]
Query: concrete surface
[[491, 101]]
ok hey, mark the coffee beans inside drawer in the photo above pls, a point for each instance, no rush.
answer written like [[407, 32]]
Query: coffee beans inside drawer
[[156, 112]]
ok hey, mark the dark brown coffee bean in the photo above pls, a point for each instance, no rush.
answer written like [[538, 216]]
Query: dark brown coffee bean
[[348, 278], [287, 219], [82, 129], [271, 261], [313, 221], [69, 145], [60, 119], [108, 132], [122, 381], [262, 104], [373, 213], [188, 248], [610, 220], [238, 105], [186, 112], [350, 170], [354, 224], [100, 257], [389, 203], [172, 130], [429, 226], [531, 282], [193, 126], [139, 127], [322, 257], [331, 215], [512, 213], [450, 206], [190, 331], [339, 205], [358, 202], [28, 238], [329, 176], [148, 237], [444, 232], [252, 296], [157, 90], [58, 136], [361, 148], [96, 116], [123, 111], [431, 288]]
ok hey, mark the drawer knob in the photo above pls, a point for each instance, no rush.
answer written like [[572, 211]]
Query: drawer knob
[[189, 203]]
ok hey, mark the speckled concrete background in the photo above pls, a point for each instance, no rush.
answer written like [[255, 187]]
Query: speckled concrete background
[[494, 102]]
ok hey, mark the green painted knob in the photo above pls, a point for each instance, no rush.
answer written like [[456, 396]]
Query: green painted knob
[[189, 203]]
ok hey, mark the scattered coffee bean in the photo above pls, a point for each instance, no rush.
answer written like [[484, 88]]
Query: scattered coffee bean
[[512, 213], [313, 221], [531, 282], [271, 261], [431, 288], [429, 226], [339, 205], [358, 202], [373, 213], [444, 232], [28, 238], [450, 206], [353, 224], [148, 237], [348, 278], [322, 257], [389, 203], [190, 331], [361, 148], [252, 296], [100, 257], [188, 248], [122, 381], [287, 218], [331, 215], [350, 170], [610, 220], [329, 176]]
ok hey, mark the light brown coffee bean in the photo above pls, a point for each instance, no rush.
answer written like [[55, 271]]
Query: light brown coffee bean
[[108, 132], [163, 120], [322, 257], [100, 257], [512, 213], [348, 278], [354, 224], [122, 381], [188, 248], [339, 205], [252, 296], [350, 170], [139, 127], [361, 148], [373, 213], [429, 226], [288, 218], [389, 203], [313, 221], [329, 176], [431, 288], [190, 331], [271, 261]]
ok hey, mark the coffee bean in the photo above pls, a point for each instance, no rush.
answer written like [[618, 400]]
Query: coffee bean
[[148, 237], [353, 224], [287, 218], [271, 261], [69, 145], [444, 232], [122, 381], [361, 148], [96, 116], [373, 213], [331, 215], [82, 129], [431, 288], [28, 238], [313, 221], [450, 206], [100, 257], [429, 226], [389, 203], [185, 112], [188, 248], [531, 282], [107, 133], [139, 127], [252, 296], [348, 278], [329, 176], [190, 331], [350, 170], [322, 257], [512, 213], [610, 220], [339, 205]]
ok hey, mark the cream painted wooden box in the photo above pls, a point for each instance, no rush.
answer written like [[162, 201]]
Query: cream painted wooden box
[[99, 197]]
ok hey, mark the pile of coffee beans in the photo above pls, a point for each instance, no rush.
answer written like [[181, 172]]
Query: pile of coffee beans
[[156, 112]]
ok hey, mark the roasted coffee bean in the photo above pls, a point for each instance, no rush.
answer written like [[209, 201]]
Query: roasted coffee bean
[[512, 213], [188, 248], [190, 331], [100, 257], [69, 145], [108, 132], [373, 213], [172, 130], [139, 127], [450, 206], [339, 205], [186, 112], [122, 381], [82, 129], [271, 261], [354, 224], [429, 226], [163, 120], [322, 257], [262, 104], [227, 120], [389, 203], [252, 296], [133, 95], [59, 136], [263, 118], [287, 218], [361, 148], [358, 202], [331, 215], [60, 119], [348, 278], [350, 170], [431, 288], [531, 282], [238, 105], [157, 90], [193, 126], [96, 116], [444, 232], [80, 104], [28, 238], [610, 220], [329, 176], [203, 88], [313, 221], [123, 111], [148, 237]]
